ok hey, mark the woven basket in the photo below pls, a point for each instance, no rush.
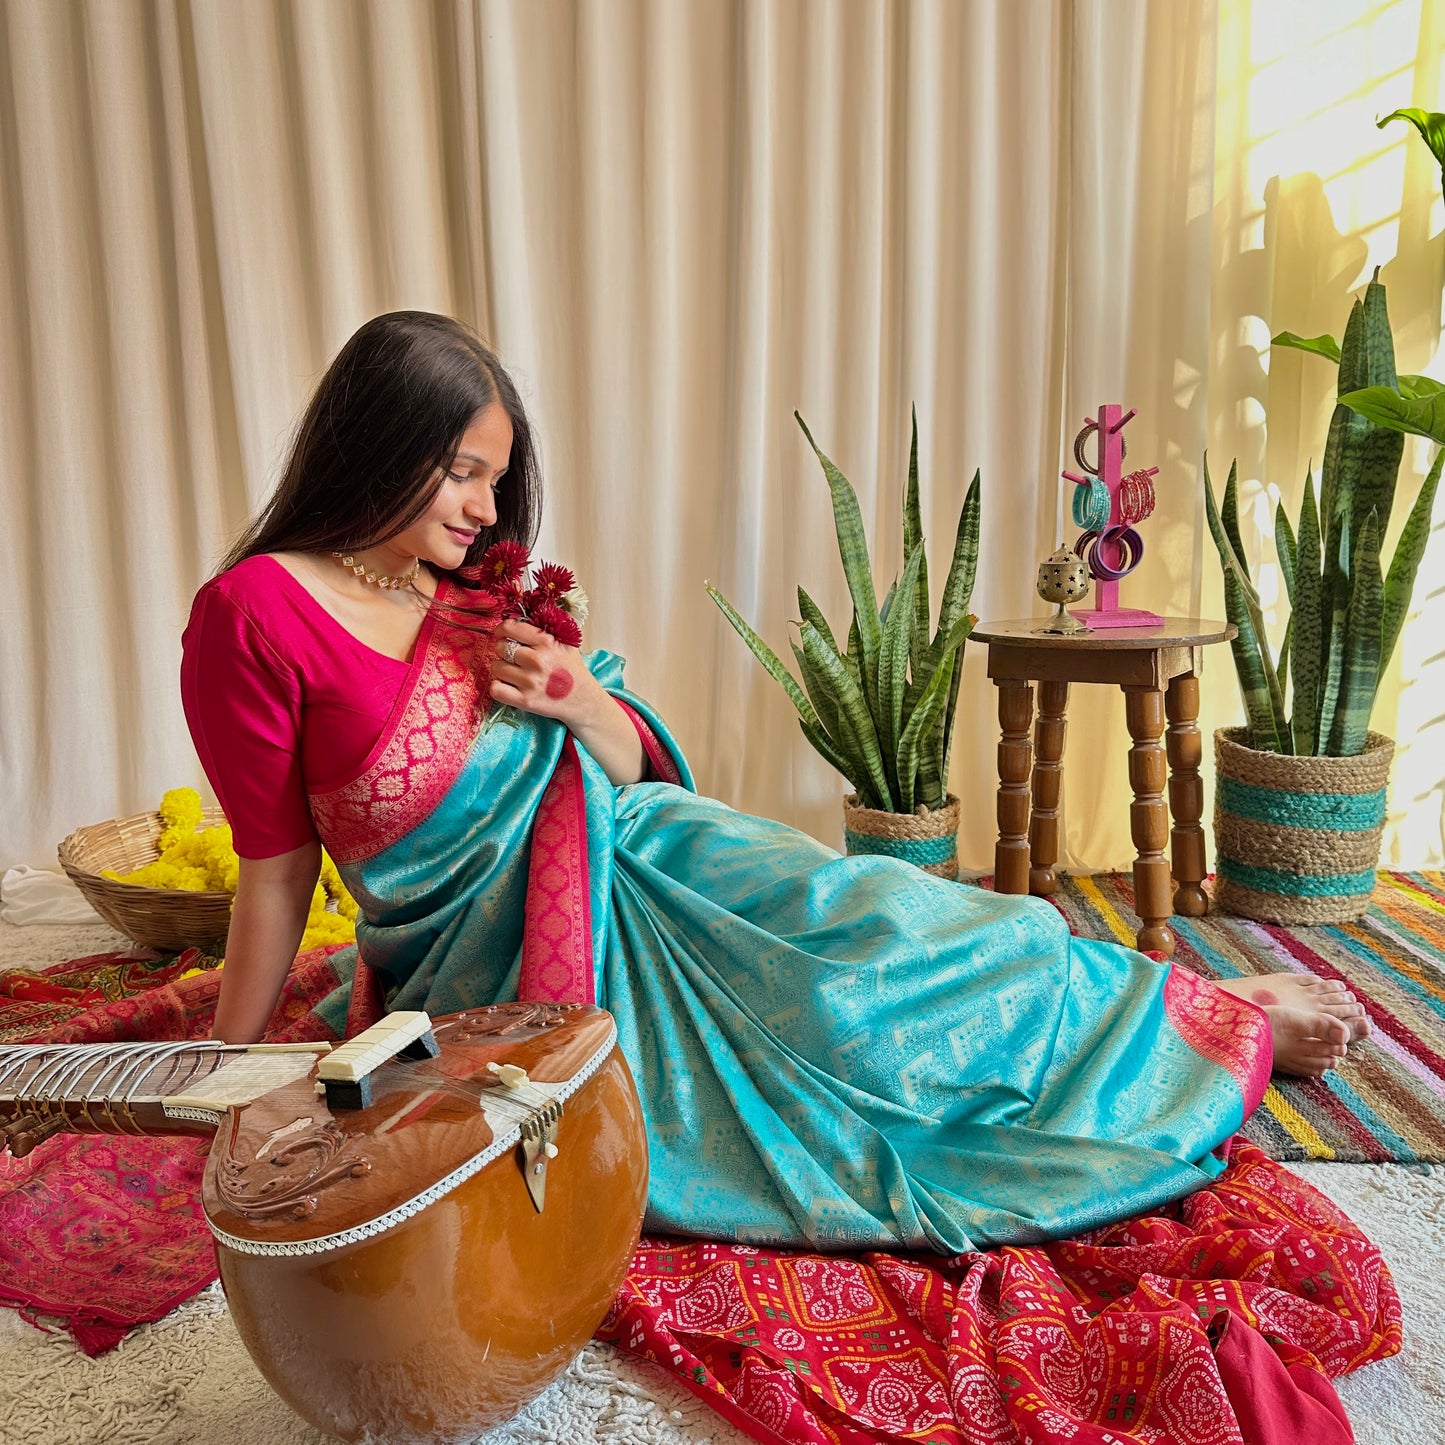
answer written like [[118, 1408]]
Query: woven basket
[[162, 918], [926, 838], [1297, 840]]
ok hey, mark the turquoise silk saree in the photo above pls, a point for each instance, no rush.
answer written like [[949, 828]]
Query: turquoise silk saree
[[835, 1052]]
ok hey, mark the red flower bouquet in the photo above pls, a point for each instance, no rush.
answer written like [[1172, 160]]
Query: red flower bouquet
[[547, 596]]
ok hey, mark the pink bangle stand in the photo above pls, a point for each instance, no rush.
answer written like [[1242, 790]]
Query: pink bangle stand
[[1106, 611]]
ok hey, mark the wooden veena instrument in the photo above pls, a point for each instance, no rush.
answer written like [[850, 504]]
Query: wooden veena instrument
[[418, 1229]]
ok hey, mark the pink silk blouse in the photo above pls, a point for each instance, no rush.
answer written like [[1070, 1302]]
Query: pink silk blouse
[[280, 699]]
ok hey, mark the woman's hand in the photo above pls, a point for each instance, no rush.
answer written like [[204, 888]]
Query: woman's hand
[[535, 672]]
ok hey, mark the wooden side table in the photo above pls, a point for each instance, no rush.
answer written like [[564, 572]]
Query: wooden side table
[[1158, 669]]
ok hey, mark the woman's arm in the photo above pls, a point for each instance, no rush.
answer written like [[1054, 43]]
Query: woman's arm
[[546, 678], [273, 897]]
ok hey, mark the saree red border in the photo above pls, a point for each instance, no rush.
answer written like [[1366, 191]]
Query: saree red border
[[557, 932], [557, 963], [421, 751], [658, 757], [1228, 1031]]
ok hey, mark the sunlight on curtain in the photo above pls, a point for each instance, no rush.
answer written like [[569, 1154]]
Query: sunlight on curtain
[[1309, 198]]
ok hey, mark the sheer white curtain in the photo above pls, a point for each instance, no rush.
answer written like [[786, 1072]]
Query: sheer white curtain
[[677, 223]]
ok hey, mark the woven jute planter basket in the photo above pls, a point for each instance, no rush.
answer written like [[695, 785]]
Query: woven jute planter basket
[[928, 839], [1297, 840], [162, 918]]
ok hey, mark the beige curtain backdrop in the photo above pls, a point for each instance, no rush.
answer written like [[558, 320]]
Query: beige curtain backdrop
[[677, 223]]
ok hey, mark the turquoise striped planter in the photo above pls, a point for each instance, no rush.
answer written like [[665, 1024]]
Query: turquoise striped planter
[[928, 840], [1297, 840]]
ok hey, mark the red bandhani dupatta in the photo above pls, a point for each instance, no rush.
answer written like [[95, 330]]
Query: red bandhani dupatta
[[1217, 1321]]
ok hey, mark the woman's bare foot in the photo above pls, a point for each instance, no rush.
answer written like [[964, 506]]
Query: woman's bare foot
[[1306, 1041], [1305, 992]]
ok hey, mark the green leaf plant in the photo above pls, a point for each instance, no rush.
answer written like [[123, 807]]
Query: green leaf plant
[[881, 711], [1346, 611]]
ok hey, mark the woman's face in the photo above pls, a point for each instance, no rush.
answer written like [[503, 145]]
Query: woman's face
[[465, 502]]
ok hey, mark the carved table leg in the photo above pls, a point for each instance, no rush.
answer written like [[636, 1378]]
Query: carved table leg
[[1011, 856], [1186, 796], [1048, 775], [1148, 817]]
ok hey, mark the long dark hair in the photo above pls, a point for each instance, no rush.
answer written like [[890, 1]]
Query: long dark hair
[[391, 411]]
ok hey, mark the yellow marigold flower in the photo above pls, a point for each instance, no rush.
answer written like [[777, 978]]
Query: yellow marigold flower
[[206, 862], [181, 810]]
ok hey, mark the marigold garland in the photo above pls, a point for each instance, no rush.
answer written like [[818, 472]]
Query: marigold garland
[[204, 861]]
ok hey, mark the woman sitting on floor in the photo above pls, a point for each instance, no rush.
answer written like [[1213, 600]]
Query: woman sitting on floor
[[835, 1051]]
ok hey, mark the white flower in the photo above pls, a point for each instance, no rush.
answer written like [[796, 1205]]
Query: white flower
[[575, 602]]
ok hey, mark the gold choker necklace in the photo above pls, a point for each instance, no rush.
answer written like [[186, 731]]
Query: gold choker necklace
[[377, 579]]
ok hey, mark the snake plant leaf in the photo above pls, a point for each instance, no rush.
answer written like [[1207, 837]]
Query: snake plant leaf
[[1361, 673], [1258, 683], [893, 668], [1431, 125], [912, 512], [913, 537], [1229, 515], [924, 716], [853, 550], [1325, 346], [819, 693], [828, 751], [928, 787], [940, 741], [1252, 662], [1334, 607], [1379, 343], [958, 585], [1287, 551], [1282, 667], [949, 712], [1305, 619], [857, 735], [811, 612], [765, 654], [1339, 475], [855, 649], [884, 610], [1400, 582], [1249, 664], [950, 643], [1422, 416], [957, 592], [1353, 372], [1380, 459]]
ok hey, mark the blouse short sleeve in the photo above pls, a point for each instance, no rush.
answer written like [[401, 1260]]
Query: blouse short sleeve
[[243, 706]]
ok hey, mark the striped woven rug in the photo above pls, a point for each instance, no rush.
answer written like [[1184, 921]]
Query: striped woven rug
[[1387, 1101]]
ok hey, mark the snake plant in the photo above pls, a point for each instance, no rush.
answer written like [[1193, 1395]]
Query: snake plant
[[881, 710], [1346, 612]]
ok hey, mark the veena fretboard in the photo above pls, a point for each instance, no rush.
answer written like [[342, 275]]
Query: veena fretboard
[[136, 1088]]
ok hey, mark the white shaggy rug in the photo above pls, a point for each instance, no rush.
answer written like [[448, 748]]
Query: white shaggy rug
[[187, 1379]]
